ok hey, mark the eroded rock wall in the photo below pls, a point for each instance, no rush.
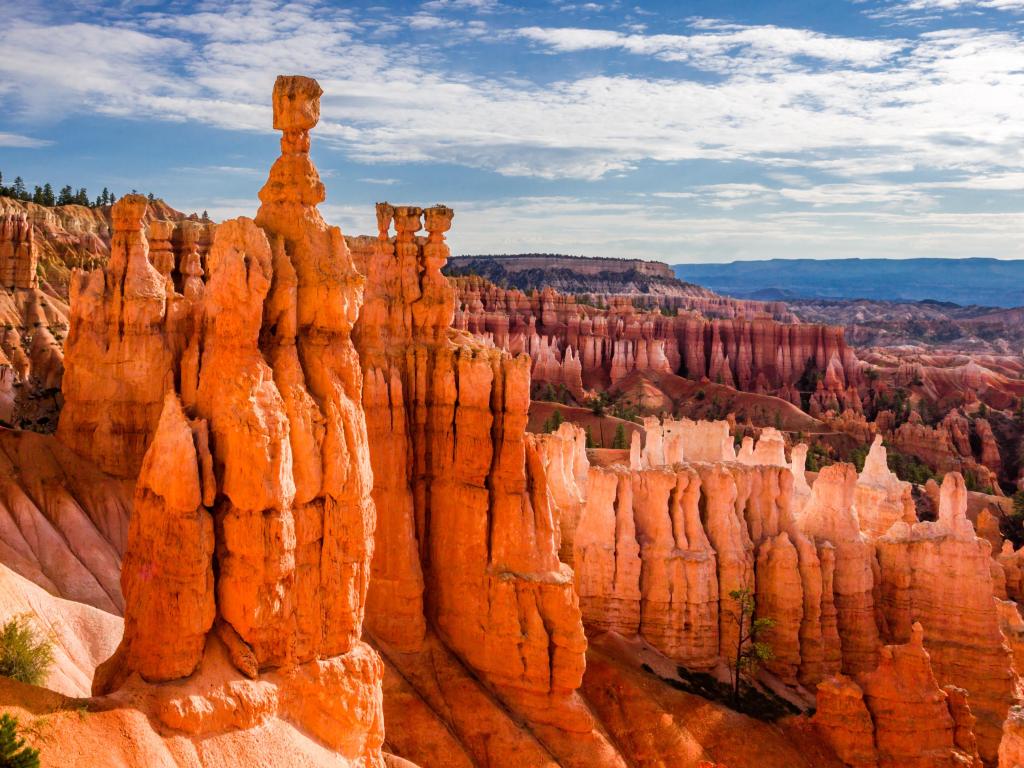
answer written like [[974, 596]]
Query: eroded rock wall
[[468, 540], [582, 347], [238, 403]]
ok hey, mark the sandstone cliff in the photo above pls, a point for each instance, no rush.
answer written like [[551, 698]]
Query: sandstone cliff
[[581, 347]]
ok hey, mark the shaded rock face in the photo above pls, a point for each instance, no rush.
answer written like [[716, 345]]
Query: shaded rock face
[[898, 716], [579, 346], [128, 333], [467, 545], [18, 255], [238, 404], [939, 574]]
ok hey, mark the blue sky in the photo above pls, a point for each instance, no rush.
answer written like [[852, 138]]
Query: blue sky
[[679, 131]]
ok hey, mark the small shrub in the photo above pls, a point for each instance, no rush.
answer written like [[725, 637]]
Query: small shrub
[[552, 423], [1012, 525], [24, 656], [13, 751]]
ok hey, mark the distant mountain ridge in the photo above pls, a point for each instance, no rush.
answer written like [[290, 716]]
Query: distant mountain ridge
[[975, 281], [575, 274]]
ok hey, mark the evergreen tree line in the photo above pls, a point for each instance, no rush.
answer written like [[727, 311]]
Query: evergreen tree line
[[45, 195]]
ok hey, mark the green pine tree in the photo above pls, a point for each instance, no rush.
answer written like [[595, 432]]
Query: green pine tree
[[48, 198], [590, 439], [751, 648], [555, 421], [66, 196], [620, 441], [13, 751]]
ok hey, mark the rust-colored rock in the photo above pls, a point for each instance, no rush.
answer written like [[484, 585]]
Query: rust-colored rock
[[468, 539], [898, 717], [739, 344], [167, 573], [843, 719], [939, 574], [259, 460], [829, 516]]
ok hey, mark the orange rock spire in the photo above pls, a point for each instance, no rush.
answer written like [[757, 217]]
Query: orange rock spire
[[257, 456]]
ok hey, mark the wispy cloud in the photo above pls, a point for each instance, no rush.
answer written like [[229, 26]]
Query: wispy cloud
[[724, 47], [919, 11], [22, 142], [839, 134]]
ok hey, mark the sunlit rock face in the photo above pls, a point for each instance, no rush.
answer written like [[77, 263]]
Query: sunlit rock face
[[467, 545], [236, 401]]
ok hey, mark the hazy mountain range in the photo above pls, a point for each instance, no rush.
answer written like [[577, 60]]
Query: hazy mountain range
[[989, 282]]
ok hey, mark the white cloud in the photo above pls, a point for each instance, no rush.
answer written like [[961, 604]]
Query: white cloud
[[22, 142], [919, 11], [724, 47], [424, 21], [783, 100]]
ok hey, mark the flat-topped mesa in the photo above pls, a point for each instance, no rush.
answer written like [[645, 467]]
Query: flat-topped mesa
[[609, 345]]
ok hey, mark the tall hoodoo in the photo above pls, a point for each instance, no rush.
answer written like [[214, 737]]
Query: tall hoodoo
[[257, 451], [468, 541], [939, 574], [121, 354], [18, 256]]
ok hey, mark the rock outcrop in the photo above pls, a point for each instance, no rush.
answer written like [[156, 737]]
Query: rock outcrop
[[939, 574], [749, 351], [18, 255], [238, 404], [468, 539], [898, 716], [880, 497]]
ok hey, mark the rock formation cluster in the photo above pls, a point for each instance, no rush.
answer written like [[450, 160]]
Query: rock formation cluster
[[657, 549], [298, 465], [233, 395], [581, 347]]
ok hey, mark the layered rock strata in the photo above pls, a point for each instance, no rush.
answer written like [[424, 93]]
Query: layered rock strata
[[468, 539], [939, 574], [898, 716], [582, 347], [239, 403]]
